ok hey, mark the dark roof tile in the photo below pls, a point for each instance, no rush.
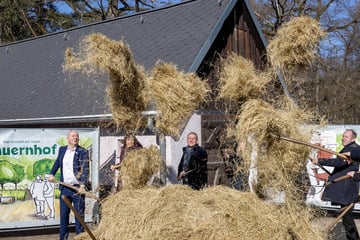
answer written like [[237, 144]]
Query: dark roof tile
[[33, 85]]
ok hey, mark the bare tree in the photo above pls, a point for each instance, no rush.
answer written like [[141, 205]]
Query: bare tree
[[331, 86], [21, 19]]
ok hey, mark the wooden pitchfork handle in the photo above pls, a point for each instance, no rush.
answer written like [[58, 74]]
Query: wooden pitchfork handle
[[77, 215], [343, 212], [310, 145], [338, 180], [89, 194], [187, 173]]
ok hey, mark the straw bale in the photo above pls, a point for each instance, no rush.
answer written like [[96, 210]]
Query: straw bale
[[176, 95], [294, 46], [240, 80], [139, 166], [177, 212], [126, 90]]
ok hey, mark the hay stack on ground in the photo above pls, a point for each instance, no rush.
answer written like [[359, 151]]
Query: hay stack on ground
[[239, 80], [294, 46], [176, 95], [139, 166], [178, 212], [126, 92]]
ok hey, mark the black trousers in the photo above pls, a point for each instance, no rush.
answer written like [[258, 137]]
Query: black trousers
[[350, 226]]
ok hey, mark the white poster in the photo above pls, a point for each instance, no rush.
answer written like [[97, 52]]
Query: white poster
[[26, 157], [330, 138]]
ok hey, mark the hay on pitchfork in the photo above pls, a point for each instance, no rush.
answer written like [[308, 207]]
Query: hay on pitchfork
[[126, 90], [279, 163], [239, 80], [176, 94], [258, 118], [178, 212], [295, 44], [139, 166]]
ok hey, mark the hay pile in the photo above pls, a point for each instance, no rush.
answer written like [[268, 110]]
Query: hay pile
[[178, 212], [126, 92], [294, 46], [176, 95], [239, 80], [139, 166]]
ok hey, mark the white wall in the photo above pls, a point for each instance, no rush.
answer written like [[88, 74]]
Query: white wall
[[108, 144], [174, 148]]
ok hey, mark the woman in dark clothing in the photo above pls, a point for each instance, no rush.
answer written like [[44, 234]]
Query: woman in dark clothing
[[130, 143]]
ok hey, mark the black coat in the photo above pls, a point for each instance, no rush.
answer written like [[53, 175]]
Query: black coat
[[355, 156], [346, 191], [197, 168]]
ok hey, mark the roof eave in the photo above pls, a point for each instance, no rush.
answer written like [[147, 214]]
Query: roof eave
[[205, 48], [56, 120]]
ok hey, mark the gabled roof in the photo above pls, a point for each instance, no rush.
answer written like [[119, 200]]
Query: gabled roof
[[35, 89]]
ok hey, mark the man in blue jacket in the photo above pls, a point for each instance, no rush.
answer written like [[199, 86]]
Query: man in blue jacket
[[73, 162], [344, 192]]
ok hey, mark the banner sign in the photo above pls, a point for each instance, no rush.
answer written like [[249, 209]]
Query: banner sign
[[26, 158], [329, 137]]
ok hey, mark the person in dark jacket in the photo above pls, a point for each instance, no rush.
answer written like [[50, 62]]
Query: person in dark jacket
[[73, 162], [344, 192], [192, 168]]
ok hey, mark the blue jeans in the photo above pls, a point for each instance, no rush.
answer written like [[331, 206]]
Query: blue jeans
[[78, 201]]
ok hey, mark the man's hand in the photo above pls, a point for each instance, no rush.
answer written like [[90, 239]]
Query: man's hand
[[82, 189], [346, 154], [182, 175], [114, 167], [51, 178], [351, 174], [314, 160]]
